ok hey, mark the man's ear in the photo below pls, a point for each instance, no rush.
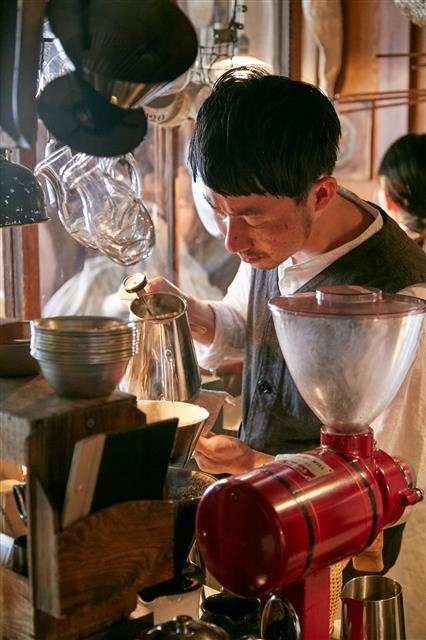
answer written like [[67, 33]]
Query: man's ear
[[390, 204], [385, 201], [323, 190]]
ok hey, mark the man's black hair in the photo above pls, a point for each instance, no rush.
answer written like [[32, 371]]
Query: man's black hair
[[264, 134]]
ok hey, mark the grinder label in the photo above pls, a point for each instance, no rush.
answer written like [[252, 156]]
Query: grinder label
[[310, 467]]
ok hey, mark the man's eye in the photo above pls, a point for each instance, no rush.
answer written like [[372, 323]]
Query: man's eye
[[256, 221]]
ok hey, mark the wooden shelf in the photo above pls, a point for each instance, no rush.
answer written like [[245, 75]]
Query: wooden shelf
[[84, 579]]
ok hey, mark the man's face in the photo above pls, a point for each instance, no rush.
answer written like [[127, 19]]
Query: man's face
[[263, 230]]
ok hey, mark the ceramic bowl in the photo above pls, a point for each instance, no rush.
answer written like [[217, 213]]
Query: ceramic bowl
[[191, 419], [15, 357]]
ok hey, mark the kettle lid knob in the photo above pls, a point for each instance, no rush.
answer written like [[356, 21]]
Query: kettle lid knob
[[135, 282]]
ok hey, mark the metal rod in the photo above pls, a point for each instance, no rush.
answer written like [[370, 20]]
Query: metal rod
[[382, 106], [379, 95], [400, 55]]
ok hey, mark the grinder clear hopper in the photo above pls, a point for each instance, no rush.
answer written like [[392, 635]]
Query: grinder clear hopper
[[348, 349]]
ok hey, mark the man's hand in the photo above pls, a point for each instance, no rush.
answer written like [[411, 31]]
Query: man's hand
[[226, 454], [201, 318], [160, 284]]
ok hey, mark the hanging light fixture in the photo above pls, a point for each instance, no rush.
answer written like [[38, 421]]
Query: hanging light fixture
[[229, 48], [21, 196]]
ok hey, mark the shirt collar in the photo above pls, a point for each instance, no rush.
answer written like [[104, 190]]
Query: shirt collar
[[293, 276]]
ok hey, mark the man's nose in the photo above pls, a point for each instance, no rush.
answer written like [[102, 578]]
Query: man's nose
[[235, 236]]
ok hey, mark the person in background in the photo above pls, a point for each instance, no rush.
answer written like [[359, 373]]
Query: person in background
[[265, 148], [402, 184], [402, 193]]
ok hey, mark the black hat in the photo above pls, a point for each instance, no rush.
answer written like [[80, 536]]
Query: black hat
[[83, 119]]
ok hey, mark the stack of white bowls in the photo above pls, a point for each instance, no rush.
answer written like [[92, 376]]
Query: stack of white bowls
[[82, 356]]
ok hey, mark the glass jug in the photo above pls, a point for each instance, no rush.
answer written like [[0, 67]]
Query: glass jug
[[69, 201], [115, 215]]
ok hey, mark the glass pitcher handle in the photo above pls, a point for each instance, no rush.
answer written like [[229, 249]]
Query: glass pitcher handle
[[135, 176], [129, 160]]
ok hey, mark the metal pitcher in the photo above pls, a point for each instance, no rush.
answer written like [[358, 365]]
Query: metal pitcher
[[372, 609], [165, 367]]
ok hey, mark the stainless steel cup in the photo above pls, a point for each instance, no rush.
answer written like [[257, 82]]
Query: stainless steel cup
[[372, 609]]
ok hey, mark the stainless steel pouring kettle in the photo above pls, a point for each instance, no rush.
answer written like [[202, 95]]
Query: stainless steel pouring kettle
[[165, 367]]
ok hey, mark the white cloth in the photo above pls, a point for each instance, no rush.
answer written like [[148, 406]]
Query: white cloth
[[400, 430], [84, 293], [94, 289]]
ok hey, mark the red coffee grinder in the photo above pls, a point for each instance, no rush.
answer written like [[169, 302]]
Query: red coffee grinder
[[278, 528]]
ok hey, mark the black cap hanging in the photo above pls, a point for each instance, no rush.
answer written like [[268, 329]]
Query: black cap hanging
[[83, 119], [120, 50]]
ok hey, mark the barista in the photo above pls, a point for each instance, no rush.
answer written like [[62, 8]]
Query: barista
[[265, 148]]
